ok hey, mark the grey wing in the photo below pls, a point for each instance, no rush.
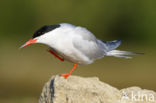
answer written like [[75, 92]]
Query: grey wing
[[89, 48], [85, 34], [109, 45]]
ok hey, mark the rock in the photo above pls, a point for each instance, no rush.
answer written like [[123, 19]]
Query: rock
[[90, 90]]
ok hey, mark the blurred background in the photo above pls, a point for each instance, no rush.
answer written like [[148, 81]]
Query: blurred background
[[24, 72]]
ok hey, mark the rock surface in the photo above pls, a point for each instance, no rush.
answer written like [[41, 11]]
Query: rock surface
[[90, 90]]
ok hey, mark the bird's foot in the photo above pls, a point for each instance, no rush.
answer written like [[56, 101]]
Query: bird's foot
[[65, 75]]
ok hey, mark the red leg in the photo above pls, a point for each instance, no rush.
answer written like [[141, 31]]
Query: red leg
[[66, 75], [55, 55]]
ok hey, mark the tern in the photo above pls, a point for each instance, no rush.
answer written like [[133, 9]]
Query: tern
[[75, 44]]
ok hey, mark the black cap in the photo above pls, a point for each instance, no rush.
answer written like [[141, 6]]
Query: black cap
[[45, 29]]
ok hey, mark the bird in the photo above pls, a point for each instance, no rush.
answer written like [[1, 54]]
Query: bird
[[75, 44]]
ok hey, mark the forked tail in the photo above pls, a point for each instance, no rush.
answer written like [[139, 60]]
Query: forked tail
[[110, 49], [122, 54]]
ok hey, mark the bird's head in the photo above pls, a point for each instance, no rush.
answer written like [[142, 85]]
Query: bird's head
[[42, 35]]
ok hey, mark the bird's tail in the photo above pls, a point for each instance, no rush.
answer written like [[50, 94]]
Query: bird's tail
[[122, 54]]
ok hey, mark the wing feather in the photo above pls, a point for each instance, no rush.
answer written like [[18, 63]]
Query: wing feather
[[89, 48]]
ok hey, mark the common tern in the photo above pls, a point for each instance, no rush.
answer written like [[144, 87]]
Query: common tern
[[75, 44]]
